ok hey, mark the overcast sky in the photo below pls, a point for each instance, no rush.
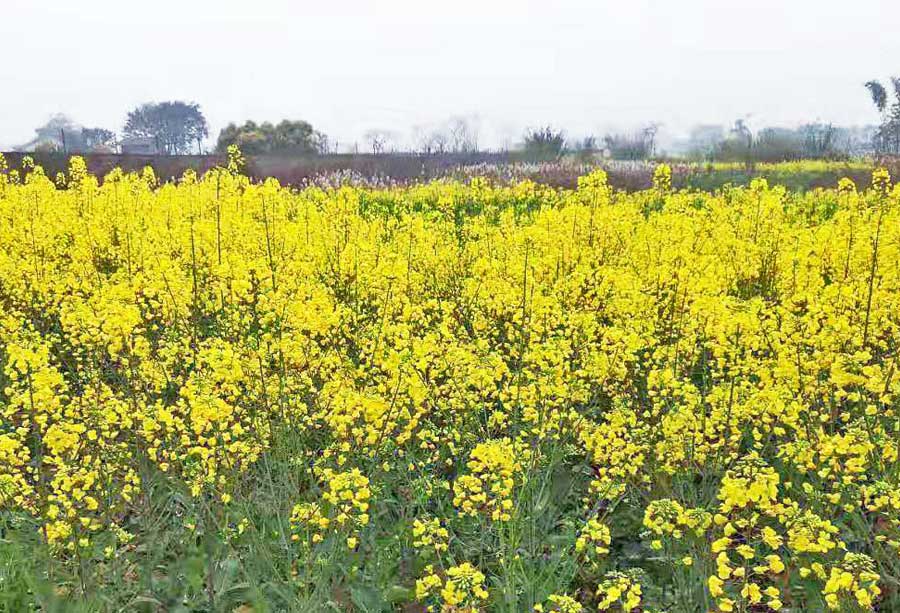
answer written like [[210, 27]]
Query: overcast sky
[[348, 66]]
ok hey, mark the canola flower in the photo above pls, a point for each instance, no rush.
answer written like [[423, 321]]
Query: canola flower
[[666, 400], [619, 590], [489, 485], [429, 534], [559, 603], [462, 591], [343, 508], [593, 539]]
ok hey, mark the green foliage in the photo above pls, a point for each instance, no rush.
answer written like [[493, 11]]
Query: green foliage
[[285, 138], [813, 141], [544, 143], [637, 146], [174, 126]]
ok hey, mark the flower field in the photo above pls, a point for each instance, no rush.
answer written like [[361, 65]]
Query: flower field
[[225, 395]]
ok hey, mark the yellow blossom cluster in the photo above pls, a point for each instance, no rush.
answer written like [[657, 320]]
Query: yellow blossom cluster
[[344, 508], [572, 383], [488, 486], [462, 590], [559, 603], [430, 535], [593, 539], [619, 591]]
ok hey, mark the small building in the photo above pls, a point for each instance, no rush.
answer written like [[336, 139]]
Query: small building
[[139, 145]]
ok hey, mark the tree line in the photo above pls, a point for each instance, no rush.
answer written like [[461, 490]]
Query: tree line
[[180, 128], [176, 128]]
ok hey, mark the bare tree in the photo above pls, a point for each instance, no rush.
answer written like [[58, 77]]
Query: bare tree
[[463, 136], [440, 141], [430, 141], [639, 145], [421, 139], [378, 140], [650, 133], [819, 140]]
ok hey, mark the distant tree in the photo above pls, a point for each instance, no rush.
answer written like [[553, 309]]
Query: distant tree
[[47, 146], [855, 140], [428, 142], [55, 135], [626, 146], [62, 134], [463, 136], [174, 126], [819, 140], [640, 145], [421, 139], [439, 141], [879, 95], [286, 138], [98, 138], [59, 129], [704, 140], [738, 144], [588, 143], [586, 148], [544, 143], [249, 137], [887, 139], [741, 131], [323, 144], [775, 145], [378, 140], [649, 134]]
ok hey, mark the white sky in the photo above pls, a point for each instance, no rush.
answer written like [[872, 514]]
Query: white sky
[[348, 66]]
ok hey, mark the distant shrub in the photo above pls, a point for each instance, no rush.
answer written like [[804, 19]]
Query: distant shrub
[[544, 143]]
